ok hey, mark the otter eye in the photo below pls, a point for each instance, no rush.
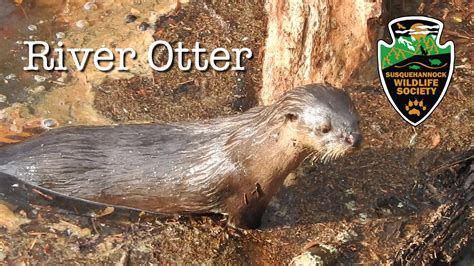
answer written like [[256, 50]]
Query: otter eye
[[325, 128]]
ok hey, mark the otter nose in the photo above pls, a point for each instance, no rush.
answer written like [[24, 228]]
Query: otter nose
[[354, 139]]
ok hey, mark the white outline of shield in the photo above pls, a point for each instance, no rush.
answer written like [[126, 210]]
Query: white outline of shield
[[451, 69]]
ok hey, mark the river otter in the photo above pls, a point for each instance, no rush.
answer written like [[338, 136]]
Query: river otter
[[231, 165]]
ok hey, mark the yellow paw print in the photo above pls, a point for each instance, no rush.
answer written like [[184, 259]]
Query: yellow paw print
[[414, 107]]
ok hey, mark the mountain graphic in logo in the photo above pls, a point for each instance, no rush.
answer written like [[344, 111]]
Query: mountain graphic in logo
[[415, 69]]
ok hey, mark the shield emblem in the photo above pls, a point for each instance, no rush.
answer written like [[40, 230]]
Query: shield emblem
[[415, 69]]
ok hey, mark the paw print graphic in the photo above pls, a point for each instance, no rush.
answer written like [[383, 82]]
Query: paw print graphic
[[415, 107]]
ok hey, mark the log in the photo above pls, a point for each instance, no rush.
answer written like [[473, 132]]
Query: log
[[451, 227], [315, 41]]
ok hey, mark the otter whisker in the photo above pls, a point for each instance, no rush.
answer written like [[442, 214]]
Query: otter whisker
[[310, 155]]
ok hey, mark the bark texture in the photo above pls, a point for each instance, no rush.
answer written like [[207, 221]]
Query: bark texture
[[315, 41]]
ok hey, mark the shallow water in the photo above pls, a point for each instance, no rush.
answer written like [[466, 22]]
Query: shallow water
[[17, 24], [66, 95]]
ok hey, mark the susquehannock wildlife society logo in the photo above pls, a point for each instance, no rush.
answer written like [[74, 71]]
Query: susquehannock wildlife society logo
[[415, 69]]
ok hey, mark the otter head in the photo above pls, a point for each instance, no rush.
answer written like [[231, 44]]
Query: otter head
[[323, 119]]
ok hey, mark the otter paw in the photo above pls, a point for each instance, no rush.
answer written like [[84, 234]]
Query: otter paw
[[414, 107]]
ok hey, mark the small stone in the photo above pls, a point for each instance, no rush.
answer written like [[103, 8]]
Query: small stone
[[82, 24], [130, 18], [3, 98], [307, 259], [10, 77], [39, 78], [60, 35], [48, 123], [363, 218], [143, 26], [89, 6], [32, 27], [38, 89]]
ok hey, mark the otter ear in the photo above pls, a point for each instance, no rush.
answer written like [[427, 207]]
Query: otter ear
[[291, 117]]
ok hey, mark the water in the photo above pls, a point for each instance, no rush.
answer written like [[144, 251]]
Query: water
[[18, 23], [66, 96]]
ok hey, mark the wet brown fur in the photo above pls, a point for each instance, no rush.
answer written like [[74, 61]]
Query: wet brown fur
[[232, 165]]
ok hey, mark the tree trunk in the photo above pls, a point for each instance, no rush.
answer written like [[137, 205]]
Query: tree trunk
[[315, 41]]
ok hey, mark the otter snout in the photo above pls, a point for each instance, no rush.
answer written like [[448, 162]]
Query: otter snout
[[354, 139]]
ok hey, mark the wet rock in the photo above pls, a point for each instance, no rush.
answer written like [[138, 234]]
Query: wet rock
[[143, 26], [49, 123], [130, 18]]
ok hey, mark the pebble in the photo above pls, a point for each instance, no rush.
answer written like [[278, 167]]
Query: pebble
[[38, 89], [10, 77], [89, 6], [60, 35], [48, 123], [3, 98], [143, 26], [39, 78], [32, 27], [82, 24], [307, 259], [363, 218], [130, 18]]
